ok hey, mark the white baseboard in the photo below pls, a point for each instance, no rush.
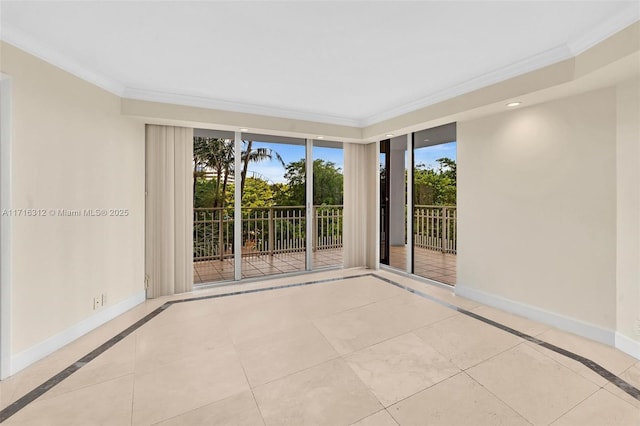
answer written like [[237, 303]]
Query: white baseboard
[[572, 325], [628, 345], [40, 350]]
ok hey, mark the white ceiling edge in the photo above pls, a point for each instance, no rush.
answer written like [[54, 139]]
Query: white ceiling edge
[[519, 68], [571, 49], [203, 102], [26, 43], [606, 29]]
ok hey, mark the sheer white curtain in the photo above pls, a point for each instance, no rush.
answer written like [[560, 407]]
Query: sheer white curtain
[[169, 204], [360, 229]]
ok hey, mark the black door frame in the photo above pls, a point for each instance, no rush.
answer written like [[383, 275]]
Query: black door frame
[[385, 148]]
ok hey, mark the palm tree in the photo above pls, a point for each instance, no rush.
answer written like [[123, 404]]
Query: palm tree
[[224, 167], [217, 154], [251, 155]]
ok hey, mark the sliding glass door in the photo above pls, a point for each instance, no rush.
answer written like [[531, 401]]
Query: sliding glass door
[[434, 204], [393, 202], [273, 191], [283, 227], [213, 223], [328, 188]]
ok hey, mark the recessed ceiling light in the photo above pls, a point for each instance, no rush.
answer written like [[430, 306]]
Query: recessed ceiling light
[[389, 135], [320, 137], [243, 129], [513, 104]]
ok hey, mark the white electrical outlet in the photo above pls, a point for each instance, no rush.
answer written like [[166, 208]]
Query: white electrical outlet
[[97, 302], [103, 299]]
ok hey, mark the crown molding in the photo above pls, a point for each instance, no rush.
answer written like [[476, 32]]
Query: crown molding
[[605, 29], [211, 103], [25, 42], [513, 70], [599, 33], [569, 50]]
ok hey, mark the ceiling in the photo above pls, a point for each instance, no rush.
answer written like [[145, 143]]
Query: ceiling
[[435, 136], [352, 63]]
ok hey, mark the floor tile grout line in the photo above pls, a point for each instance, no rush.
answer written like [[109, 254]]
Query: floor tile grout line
[[35, 393], [252, 387], [409, 331], [318, 318], [547, 327], [422, 390], [333, 358], [135, 361], [604, 388], [556, 362], [349, 354], [246, 377], [597, 368], [496, 355], [85, 386], [466, 373], [40, 390], [368, 415], [496, 396], [574, 406], [396, 421], [588, 378]]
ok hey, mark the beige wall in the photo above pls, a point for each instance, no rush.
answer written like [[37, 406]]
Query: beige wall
[[537, 207], [71, 150], [628, 204]]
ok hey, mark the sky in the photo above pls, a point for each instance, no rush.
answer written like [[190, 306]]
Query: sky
[[428, 155], [274, 172]]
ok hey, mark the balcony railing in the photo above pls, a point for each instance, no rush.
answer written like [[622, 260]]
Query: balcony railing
[[276, 230], [265, 231], [435, 228]]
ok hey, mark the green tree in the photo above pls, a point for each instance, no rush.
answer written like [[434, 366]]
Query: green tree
[[281, 194], [435, 186], [205, 194], [327, 183], [217, 156], [257, 193], [448, 168]]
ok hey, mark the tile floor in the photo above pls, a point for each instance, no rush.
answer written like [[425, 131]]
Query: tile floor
[[262, 265], [352, 351], [430, 264]]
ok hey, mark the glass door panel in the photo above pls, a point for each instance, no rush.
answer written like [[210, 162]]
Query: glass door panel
[[434, 204], [212, 213], [328, 164], [273, 188], [397, 205]]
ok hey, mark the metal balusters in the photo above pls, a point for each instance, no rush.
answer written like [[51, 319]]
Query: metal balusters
[[435, 228]]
